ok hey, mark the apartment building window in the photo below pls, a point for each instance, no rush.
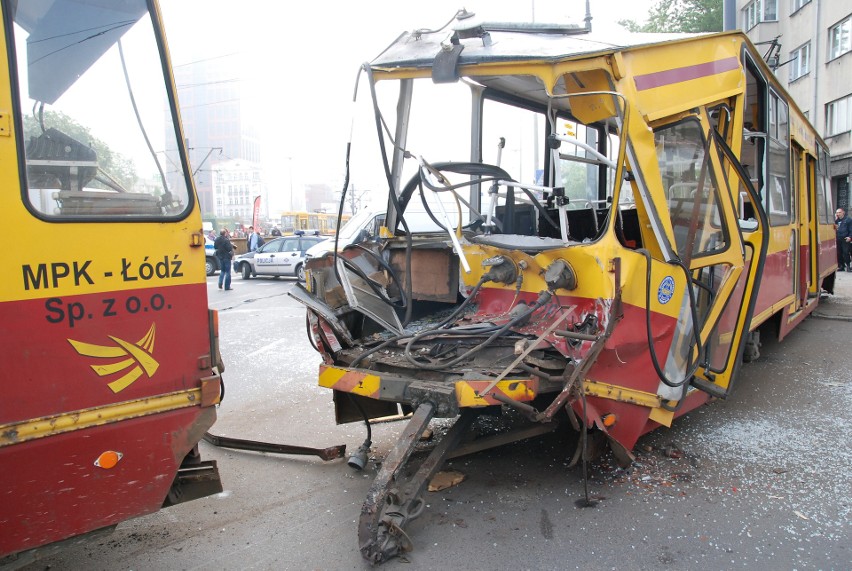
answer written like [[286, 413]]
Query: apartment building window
[[800, 62], [838, 116], [760, 11], [797, 4], [840, 38]]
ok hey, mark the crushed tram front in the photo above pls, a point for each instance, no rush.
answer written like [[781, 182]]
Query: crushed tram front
[[593, 246]]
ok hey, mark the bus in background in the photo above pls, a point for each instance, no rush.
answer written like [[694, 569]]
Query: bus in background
[[109, 352], [323, 222]]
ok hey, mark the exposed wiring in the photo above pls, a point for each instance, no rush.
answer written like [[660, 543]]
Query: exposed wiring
[[346, 175], [369, 441], [374, 285], [421, 31], [694, 314], [400, 211], [381, 261], [310, 333], [543, 299], [457, 311]]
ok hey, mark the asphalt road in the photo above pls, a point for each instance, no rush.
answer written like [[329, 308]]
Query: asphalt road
[[761, 481]]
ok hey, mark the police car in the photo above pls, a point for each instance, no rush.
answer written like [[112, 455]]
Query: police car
[[283, 256], [211, 262]]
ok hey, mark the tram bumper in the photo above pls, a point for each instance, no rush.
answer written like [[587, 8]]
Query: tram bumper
[[379, 393]]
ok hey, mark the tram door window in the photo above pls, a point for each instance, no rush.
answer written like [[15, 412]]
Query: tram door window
[[823, 189], [702, 237], [723, 338], [690, 188]]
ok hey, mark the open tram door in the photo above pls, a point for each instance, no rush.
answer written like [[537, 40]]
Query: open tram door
[[710, 253]]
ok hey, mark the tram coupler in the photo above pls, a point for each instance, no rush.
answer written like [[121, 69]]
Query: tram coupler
[[330, 453], [393, 499]]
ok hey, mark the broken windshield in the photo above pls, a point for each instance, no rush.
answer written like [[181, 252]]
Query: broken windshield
[[541, 170]]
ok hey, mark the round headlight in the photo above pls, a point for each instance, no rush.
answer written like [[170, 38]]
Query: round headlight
[[560, 275]]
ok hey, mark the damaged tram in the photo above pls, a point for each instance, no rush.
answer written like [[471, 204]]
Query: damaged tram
[[580, 225]]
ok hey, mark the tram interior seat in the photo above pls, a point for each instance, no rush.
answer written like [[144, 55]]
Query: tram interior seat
[[627, 228], [522, 220], [581, 224]]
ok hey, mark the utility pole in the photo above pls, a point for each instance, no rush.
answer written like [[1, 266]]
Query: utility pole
[[290, 169], [352, 204]]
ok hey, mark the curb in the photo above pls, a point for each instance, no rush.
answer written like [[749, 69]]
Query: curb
[[834, 317]]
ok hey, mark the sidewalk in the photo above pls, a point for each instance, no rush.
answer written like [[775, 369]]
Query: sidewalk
[[839, 305]]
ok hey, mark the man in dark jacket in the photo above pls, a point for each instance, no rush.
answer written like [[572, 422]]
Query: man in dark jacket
[[843, 224], [224, 253]]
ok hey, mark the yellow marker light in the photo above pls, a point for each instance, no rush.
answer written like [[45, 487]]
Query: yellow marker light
[[608, 420], [108, 459]]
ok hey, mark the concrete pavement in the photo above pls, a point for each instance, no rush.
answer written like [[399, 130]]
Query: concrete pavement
[[838, 305]]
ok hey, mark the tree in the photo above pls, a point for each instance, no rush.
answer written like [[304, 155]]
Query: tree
[[680, 16], [117, 165]]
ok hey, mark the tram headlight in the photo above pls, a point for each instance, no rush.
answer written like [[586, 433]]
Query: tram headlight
[[501, 270], [560, 275]]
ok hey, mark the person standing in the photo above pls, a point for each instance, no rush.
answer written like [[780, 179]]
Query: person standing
[[276, 231], [843, 225], [254, 240], [224, 252]]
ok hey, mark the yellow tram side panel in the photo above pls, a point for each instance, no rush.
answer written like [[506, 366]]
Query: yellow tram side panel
[[665, 79]]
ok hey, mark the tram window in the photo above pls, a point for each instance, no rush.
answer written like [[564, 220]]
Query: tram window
[[690, 188], [94, 139], [826, 211], [778, 191]]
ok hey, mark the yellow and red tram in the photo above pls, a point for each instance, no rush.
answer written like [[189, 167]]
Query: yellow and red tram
[[574, 223], [109, 352]]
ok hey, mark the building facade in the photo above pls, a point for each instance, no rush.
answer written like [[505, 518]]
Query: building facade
[[216, 127], [236, 184], [809, 45]]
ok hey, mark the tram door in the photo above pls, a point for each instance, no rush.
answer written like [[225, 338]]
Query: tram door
[[709, 245], [802, 234]]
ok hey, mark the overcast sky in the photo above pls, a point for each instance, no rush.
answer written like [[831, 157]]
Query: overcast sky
[[299, 60]]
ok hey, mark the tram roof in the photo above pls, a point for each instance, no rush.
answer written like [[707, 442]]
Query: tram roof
[[510, 42]]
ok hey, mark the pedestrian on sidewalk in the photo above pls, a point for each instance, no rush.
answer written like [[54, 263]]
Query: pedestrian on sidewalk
[[224, 252], [843, 225]]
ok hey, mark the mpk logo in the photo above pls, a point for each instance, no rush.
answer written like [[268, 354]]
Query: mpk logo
[[135, 358]]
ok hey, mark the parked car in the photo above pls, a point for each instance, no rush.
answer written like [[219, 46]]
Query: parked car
[[363, 225], [211, 262], [283, 256]]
